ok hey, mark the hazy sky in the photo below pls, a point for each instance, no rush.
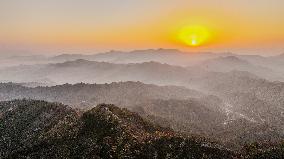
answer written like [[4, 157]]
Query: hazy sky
[[234, 25]]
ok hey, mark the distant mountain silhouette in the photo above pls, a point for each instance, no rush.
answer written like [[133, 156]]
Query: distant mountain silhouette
[[168, 56], [86, 96], [230, 63]]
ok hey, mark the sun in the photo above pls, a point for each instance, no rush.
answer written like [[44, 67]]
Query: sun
[[194, 35]]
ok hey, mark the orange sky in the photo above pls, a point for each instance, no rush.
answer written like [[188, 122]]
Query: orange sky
[[131, 24]]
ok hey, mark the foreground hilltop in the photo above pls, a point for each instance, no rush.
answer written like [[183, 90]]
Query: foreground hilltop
[[33, 129]]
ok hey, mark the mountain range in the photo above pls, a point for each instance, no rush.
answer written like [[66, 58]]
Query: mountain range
[[167, 56], [225, 117], [37, 129], [155, 103]]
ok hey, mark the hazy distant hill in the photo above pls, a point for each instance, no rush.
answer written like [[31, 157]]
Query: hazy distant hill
[[270, 68], [169, 56], [178, 58], [8, 61], [225, 85], [222, 84], [85, 96], [97, 72], [103, 72], [230, 63], [33, 129], [225, 64]]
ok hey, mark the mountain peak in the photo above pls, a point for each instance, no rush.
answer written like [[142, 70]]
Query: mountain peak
[[120, 116], [160, 50]]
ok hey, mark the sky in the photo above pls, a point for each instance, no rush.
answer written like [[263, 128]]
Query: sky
[[244, 26]]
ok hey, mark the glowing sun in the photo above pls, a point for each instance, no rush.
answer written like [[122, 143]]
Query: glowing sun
[[194, 35]]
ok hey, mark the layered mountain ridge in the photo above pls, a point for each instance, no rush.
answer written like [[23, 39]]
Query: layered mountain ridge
[[164, 98]]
